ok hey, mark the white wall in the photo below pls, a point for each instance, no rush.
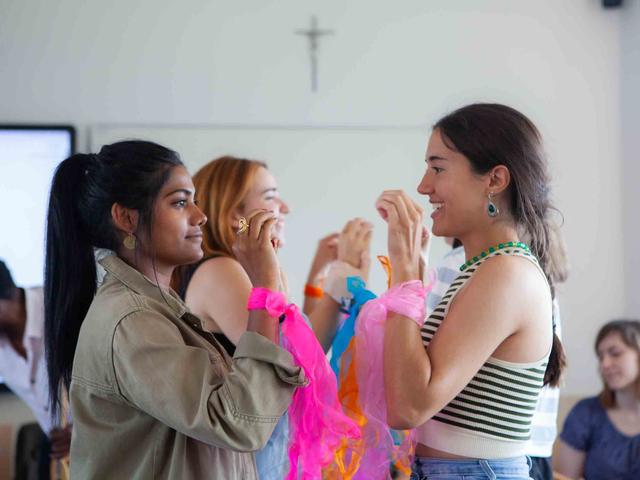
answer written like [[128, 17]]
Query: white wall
[[630, 107], [388, 64]]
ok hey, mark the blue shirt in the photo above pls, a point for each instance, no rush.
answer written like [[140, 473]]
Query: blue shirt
[[609, 453], [273, 460]]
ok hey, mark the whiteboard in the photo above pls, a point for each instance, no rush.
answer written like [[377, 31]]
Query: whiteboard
[[28, 157], [326, 175]]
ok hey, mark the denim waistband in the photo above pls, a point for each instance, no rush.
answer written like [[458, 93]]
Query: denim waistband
[[513, 467]]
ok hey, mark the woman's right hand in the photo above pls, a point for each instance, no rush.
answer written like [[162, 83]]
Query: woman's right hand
[[255, 251], [354, 245], [406, 237]]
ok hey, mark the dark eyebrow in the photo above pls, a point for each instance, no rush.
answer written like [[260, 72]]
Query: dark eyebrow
[[181, 190], [432, 158]]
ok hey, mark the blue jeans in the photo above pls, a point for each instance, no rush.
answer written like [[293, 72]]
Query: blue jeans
[[504, 469]]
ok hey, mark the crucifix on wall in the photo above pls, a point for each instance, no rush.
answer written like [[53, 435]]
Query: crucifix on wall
[[313, 34]]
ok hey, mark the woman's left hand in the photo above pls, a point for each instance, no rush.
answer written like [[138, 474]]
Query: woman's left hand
[[354, 245], [406, 234], [326, 252]]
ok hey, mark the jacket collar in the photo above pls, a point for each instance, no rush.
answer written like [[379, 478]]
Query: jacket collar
[[140, 284]]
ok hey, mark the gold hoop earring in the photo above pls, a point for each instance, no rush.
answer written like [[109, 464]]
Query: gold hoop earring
[[129, 242]]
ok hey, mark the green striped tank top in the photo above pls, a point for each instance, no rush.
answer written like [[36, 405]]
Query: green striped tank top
[[491, 416]]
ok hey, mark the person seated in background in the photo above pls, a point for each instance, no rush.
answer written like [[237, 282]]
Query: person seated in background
[[601, 435], [22, 359]]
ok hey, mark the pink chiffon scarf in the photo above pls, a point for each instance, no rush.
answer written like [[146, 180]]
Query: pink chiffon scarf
[[382, 445], [317, 423]]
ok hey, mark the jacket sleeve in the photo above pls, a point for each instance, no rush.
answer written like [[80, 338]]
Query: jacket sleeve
[[192, 390]]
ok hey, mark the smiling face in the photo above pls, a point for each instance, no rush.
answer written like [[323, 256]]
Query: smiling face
[[263, 194], [457, 194], [619, 363], [176, 234]]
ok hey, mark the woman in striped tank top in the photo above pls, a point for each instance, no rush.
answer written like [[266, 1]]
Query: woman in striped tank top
[[469, 377]]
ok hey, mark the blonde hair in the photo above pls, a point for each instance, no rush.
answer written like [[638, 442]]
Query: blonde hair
[[629, 331], [221, 187]]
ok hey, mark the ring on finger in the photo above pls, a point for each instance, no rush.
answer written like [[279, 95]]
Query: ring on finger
[[244, 225]]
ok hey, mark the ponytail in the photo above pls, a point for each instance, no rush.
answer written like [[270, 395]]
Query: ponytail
[[549, 248], [70, 274]]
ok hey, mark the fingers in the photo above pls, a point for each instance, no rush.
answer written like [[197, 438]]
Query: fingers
[[425, 235], [399, 203], [259, 234], [254, 213], [356, 233], [348, 227], [327, 245], [331, 239], [257, 222], [367, 237], [266, 232], [357, 227], [255, 249], [354, 239], [388, 210]]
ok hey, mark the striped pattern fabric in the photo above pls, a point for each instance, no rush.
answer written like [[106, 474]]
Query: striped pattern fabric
[[501, 399]]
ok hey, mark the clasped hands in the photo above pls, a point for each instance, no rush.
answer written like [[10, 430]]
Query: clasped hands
[[407, 237]]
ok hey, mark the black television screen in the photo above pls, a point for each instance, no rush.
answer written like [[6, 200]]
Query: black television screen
[[29, 155]]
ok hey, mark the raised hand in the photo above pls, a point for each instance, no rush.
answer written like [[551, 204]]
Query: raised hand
[[406, 234], [354, 245], [255, 250], [326, 252]]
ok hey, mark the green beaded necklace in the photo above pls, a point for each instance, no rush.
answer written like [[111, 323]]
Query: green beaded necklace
[[490, 250]]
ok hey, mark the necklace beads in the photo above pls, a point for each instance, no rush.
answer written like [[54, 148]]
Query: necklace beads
[[490, 250]]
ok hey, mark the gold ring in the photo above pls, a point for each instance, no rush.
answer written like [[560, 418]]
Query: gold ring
[[244, 225]]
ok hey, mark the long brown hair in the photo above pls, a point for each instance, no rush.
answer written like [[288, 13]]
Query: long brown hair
[[629, 331], [490, 134]]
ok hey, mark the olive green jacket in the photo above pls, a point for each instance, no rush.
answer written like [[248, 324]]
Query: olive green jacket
[[154, 396]]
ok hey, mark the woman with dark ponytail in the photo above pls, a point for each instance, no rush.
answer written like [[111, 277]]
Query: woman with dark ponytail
[[153, 395], [469, 377]]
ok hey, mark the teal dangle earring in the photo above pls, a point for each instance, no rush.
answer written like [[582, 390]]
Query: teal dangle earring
[[492, 208]]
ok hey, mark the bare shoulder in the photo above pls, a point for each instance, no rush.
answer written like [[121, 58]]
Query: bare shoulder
[[218, 293], [223, 268], [510, 271], [514, 287], [215, 277]]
